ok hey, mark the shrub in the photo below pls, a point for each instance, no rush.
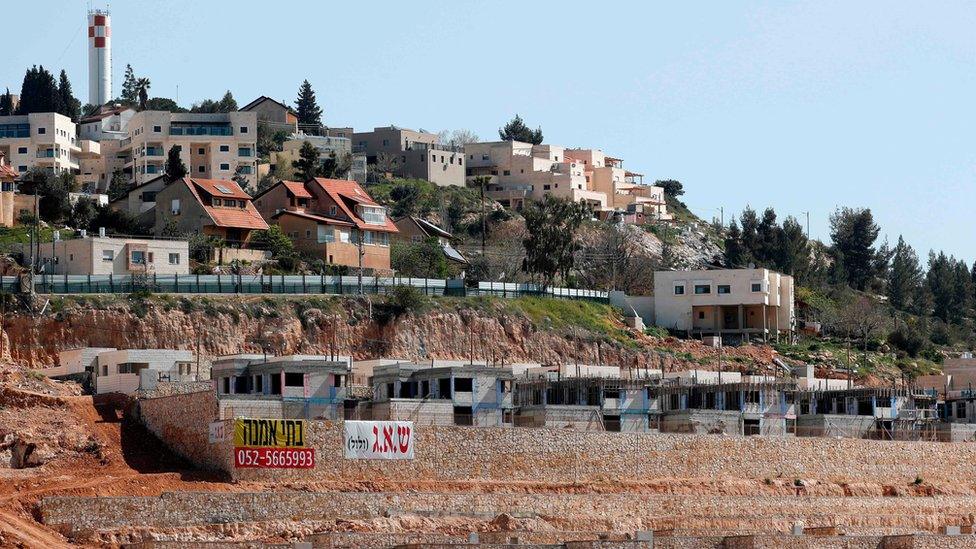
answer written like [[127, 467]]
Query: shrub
[[656, 331]]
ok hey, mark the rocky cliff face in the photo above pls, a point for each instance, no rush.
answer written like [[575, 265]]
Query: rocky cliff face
[[489, 330]]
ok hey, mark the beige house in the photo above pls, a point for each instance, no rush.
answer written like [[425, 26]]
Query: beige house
[[325, 144], [212, 145], [44, 140], [743, 302], [275, 114], [140, 200], [412, 154], [625, 190], [103, 255], [106, 126], [518, 172]]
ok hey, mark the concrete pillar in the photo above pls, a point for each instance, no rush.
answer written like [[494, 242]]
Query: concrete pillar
[[765, 324], [742, 324], [776, 323]]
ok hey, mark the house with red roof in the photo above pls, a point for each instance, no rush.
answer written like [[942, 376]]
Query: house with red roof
[[333, 219], [213, 207]]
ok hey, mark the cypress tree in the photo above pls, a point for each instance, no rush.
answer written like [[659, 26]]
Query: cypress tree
[[734, 253], [307, 165], [904, 276], [309, 112], [129, 93], [6, 104], [175, 168], [70, 106]]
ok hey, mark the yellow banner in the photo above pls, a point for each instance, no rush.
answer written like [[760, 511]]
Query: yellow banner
[[276, 433]]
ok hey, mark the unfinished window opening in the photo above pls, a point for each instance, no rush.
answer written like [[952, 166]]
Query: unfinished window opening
[[294, 379], [240, 385], [463, 415], [444, 387], [275, 384], [611, 423], [463, 385], [750, 427]]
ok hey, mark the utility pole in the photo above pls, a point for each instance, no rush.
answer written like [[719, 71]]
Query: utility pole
[[721, 213], [807, 213], [484, 230]]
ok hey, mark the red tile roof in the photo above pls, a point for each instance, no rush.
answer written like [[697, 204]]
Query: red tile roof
[[347, 194], [235, 218], [313, 217], [297, 189], [6, 172]]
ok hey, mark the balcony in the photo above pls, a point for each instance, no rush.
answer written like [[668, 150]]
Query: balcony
[[154, 151], [202, 129]]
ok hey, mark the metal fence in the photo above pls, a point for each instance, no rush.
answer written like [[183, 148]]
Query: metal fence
[[286, 284]]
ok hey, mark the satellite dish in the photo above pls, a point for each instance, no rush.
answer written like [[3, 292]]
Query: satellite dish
[[752, 265]]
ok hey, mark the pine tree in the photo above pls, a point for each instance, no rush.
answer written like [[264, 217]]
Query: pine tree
[[767, 250], [39, 92], [904, 277], [129, 93], [750, 237], [307, 165], [70, 106], [118, 186], [735, 255], [853, 232], [793, 249], [516, 130], [175, 168], [309, 112], [6, 104]]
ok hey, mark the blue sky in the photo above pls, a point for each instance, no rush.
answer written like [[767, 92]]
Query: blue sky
[[803, 106]]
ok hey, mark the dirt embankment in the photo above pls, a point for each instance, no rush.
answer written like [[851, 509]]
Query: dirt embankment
[[489, 330]]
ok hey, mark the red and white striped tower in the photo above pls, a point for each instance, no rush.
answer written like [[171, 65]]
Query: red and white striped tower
[[99, 57]]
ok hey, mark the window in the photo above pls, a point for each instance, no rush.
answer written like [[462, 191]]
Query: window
[[373, 215], [294, 379], [679, 289], [22, 150], [243, 151], [507, 172], [108, 255], [174, 206], [149, 196], [41, 131], [157, 129], [138, 257], [201, 151], [386, 142], [224, 148], [463, 385], [701, 315], [545, 187], [243, 129], [702, 289], [343, 235], [724, 289], [224, 167], [325, 234], [217, 202], [174, 259], [757, 286], [246, 170], [201, 169], [332, 210]]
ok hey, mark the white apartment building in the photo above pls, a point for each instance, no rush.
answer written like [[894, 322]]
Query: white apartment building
[[129, 370], [744, 302], [624, 189], [519, 172], [103, 255], [106, 126], [44, 140], [212, 145]]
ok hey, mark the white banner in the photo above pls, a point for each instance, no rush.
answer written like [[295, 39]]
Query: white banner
[[218, 432], [378, 439]]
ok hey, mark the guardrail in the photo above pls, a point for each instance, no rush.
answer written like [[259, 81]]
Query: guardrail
[[286, 284]]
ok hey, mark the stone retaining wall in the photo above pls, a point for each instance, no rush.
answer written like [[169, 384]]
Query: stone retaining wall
[[451, 453]]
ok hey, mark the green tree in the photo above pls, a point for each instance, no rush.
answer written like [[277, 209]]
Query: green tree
[[269, 140], [130, 94], [421, 259], [274, 240], [175, 168], [39, 92], [516, 130], [671, 187], [83, 213], [307, 165], [941, 281], [226, 104], [53, 204], [853, 232], [794, 249], [768, 250], [163, 104], [70, 106], [6, 104], [308, 109], [118, 186], [551, 242], [142, 88], [334, 167], [735, 253], [240, 178], [750, 235]]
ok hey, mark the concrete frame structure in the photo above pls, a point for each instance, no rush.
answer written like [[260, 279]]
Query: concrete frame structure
[[44, 140], [413, 154], [333, 218], [212, 145], [462, 395], [129, 370], [739, 302], [293, 386], [102, 255]]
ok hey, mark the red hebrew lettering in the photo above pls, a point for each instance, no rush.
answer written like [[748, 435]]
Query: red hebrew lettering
[[376, 439], [403, 434], [388, 439]]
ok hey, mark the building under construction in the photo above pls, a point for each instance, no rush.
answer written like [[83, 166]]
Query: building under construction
[[878, 412]]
